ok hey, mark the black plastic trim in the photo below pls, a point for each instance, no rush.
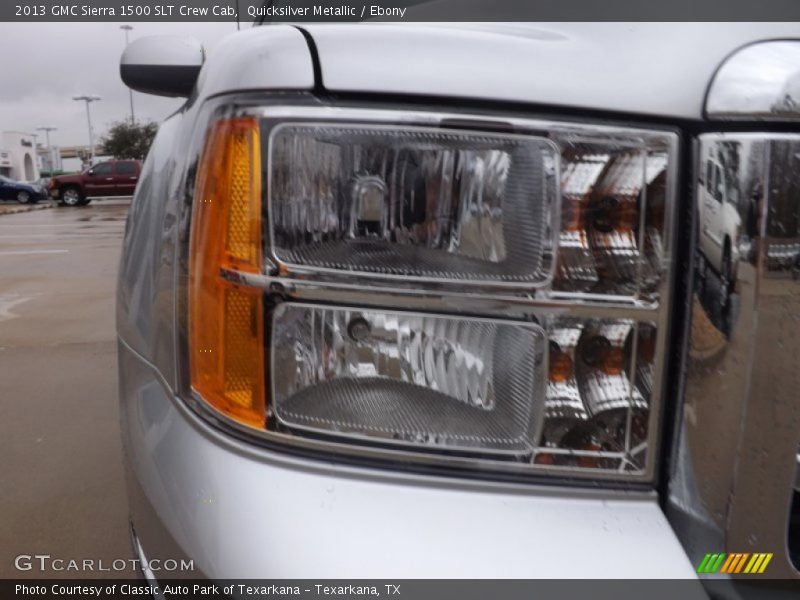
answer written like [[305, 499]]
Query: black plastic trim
[[315, 64], [162, 80]]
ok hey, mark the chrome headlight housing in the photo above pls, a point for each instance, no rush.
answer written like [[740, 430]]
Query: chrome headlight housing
[[470, 290]]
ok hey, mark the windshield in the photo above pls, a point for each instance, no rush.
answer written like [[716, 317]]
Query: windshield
[[5, 179]]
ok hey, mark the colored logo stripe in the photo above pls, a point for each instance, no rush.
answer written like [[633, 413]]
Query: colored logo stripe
[[736, 562], [758, 563], [711, 563]]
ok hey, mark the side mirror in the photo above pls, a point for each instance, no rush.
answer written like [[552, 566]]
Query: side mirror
[[163, 65], [90, 172]]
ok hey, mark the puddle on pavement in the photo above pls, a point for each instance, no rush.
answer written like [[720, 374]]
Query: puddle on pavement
[[9, 301], [99, 218]]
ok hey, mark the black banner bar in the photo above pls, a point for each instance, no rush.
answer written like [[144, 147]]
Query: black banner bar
[[249, 11], [355, 589]]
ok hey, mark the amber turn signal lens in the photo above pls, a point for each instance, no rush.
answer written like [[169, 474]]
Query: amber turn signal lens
[[226, 326], [614, 363], [561, 367], [590, 462]]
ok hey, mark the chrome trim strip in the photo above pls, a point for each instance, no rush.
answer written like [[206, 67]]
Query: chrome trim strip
[[400, 117], [797, 476], [147, 572], [341, 292], [730, 489]]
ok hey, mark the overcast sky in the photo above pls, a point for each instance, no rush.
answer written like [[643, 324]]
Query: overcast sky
[[45, 64]]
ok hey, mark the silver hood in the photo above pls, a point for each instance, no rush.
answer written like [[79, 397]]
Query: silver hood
[[659, 69]]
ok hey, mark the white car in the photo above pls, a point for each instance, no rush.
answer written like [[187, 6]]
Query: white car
[[720, 222]]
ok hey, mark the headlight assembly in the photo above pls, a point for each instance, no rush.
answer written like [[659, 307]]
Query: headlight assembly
[[433, 288]]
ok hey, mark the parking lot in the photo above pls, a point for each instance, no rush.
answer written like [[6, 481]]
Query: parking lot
[[61, 483]]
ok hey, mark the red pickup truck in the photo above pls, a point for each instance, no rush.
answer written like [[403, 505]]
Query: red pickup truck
[[110, 178]]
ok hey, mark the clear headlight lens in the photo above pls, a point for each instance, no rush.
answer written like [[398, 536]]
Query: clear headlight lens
[[426, 380], [413, 202]]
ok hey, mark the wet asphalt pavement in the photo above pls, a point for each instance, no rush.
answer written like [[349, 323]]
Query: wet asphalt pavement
[[62, 491]]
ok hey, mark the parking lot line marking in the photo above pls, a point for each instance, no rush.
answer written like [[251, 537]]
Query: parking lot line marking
[[33, 252], [40, 235]]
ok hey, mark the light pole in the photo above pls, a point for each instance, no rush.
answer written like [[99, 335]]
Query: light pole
[[47, 131], [128, 28], [35, 151], [89, 100]]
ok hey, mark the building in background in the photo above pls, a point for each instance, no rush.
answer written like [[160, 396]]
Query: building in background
[[18, 158], [48, 155]]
